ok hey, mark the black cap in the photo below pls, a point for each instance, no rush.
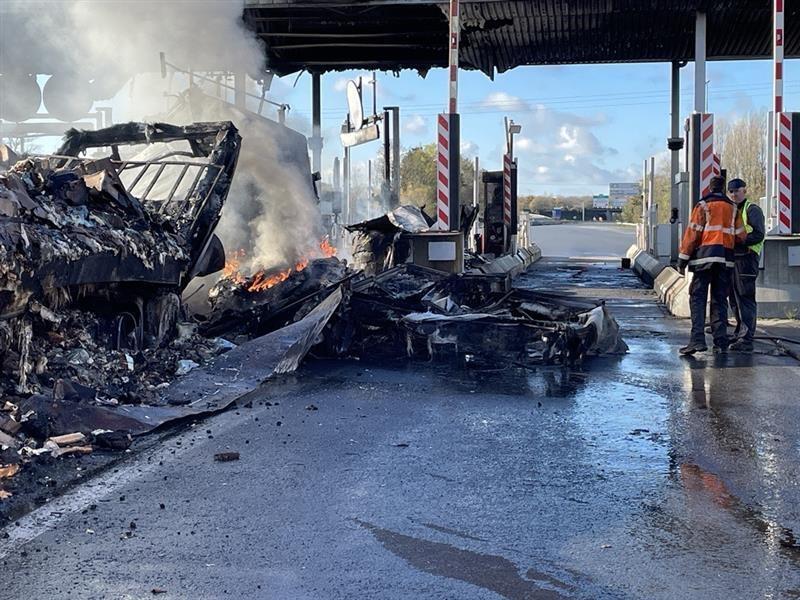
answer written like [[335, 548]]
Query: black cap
[[735, 184]]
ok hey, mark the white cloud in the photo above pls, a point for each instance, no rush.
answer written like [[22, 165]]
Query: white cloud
[[557, 149], [579, 140], [415, 125], [504, 101], [469, 149], [340, 84], [523, 143]]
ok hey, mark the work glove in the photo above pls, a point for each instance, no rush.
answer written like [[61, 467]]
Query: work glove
[[682, 268]]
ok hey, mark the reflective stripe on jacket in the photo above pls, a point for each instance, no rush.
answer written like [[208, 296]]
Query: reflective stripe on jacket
[[712, 232]]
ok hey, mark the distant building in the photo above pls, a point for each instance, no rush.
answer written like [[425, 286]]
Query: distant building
[[600, 201]]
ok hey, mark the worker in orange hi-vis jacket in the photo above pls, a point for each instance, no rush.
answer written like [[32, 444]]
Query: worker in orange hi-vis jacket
[[707, 249]]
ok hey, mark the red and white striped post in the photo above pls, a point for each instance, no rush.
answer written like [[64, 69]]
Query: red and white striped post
[[706, 152], [717, 165], [443, 173], [784, 181], [455, 33], [448, 163], [507, 190]]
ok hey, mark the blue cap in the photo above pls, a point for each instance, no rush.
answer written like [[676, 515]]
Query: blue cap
[[735, 184]]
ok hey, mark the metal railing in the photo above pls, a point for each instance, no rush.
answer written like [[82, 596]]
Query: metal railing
[[169, 200], [141, 187]]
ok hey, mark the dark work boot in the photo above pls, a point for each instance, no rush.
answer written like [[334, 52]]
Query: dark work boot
[[742, 346], [692, 348]]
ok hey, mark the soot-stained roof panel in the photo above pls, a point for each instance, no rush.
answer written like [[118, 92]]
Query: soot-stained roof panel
[[500, 35]]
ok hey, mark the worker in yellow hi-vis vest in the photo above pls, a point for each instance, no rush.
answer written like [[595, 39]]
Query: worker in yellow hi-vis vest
[[747, 255]]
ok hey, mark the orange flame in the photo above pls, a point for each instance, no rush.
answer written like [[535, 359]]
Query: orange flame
[[262, 281], [231, 268], [327, 248]]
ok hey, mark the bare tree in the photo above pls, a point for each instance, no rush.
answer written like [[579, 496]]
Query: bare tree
[[22, 145], [741, 144]]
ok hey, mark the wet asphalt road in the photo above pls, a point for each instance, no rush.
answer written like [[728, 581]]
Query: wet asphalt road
[[646, 476], [584, 240]]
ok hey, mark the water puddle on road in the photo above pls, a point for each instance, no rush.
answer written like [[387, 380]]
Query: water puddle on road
[[625, 428], [488, 571]]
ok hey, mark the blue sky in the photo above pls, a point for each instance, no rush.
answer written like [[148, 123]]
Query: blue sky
[[582, 126]]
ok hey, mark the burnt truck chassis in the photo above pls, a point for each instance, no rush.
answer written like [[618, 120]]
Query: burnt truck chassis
[[218, 142], [118, 250]]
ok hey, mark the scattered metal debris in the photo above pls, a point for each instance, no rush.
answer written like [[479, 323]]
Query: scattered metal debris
[[416, 312]]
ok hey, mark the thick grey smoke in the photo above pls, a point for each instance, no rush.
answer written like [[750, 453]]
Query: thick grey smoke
[[271, 213], [100, 45], [109, 40]]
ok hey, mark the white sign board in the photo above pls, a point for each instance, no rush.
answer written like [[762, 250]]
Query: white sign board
[[618, 193], [441, 251], [794, 256], [599, 201]]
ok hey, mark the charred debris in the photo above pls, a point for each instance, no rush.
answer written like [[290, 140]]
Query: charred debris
[[95, 253], [394, 309], [99, 242]]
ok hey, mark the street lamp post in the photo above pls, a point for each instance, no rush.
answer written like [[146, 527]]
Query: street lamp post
[[511, 130]]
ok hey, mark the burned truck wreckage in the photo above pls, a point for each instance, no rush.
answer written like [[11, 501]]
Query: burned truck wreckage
[[94, 255], [105, 238], [97, 338]]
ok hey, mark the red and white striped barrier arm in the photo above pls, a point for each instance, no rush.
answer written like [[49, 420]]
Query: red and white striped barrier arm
[[443, 174], [784, 188], [455, 32], [777, 57], [706, 152], [507, 189], [780, 174]]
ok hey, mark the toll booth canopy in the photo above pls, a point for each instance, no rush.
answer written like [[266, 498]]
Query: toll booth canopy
[[498, 35]]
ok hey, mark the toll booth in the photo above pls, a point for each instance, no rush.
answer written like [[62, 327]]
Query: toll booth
[[493, 226], [498, 234]]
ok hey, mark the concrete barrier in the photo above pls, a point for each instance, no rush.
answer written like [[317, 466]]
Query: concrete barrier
[[673, 291], [672, 287], [778, 303], [647, 267], [512, 264]]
